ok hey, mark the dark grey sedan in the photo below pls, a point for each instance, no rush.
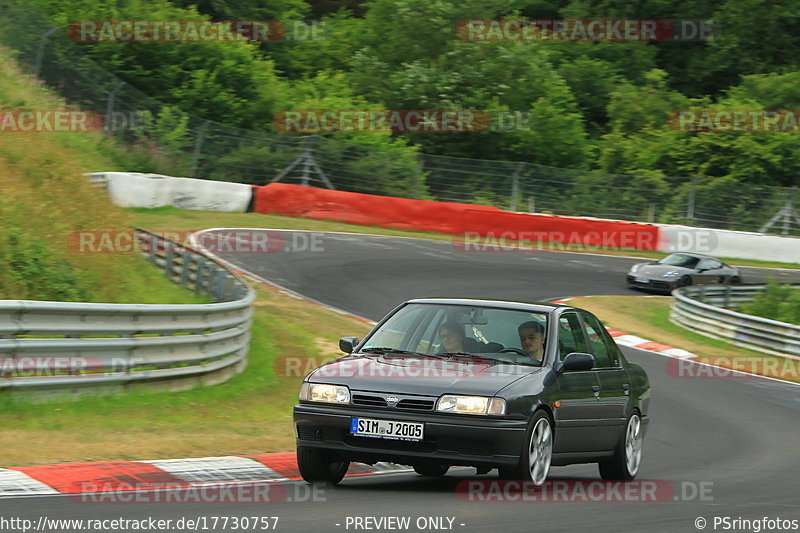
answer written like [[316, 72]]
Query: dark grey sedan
[[681, 269], [483, 383]]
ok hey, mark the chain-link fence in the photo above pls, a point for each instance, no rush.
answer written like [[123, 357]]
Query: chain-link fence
[[180, 143]]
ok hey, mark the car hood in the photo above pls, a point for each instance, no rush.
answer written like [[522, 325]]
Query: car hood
[[657, 271], [423, 375]]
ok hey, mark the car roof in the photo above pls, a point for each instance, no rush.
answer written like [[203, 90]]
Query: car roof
[[542, 307], [693, 254]]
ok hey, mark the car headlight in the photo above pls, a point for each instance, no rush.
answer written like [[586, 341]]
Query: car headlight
[[320, 392], [672, 274], [636, 267], [471, 405]]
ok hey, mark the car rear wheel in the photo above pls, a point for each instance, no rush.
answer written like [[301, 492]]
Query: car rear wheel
[[431, 469], [319, 466], [735, 279], [627, 457], [534, 465]]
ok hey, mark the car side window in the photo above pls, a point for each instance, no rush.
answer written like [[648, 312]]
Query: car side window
[[604, 355], [570, 335], [709, 264]]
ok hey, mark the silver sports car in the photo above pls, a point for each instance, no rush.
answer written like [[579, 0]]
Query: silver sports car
[[681, 269]]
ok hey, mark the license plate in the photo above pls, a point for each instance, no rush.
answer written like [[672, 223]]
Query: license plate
[[641, 280], [386, 429]]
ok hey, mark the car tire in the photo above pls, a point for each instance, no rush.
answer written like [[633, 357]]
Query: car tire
[[431, 469], [735, 279], [685, 281], [319, 466], [537, 453], [627, 459]]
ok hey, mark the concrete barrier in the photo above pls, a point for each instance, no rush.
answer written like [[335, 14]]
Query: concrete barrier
[[130, 189], [725, 243]]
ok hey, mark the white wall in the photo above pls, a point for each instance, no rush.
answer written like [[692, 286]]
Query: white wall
[[130, 189], [723, 243]]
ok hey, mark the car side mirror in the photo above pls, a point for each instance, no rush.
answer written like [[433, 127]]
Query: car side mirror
[[348, 344], [702, 269], [576, 362]]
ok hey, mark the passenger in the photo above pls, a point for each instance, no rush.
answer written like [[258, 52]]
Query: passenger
[[531, 337]]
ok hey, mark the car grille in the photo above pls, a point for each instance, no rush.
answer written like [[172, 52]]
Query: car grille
[[419, 405], [369, 400], [411, 404], [475, 447], [306, 432]]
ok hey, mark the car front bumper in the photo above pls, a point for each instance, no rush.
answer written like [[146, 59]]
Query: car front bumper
[[653, 284], [451, 439]]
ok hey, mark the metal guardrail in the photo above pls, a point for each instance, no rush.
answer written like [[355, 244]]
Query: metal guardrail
[[70, 345], [702, 309]]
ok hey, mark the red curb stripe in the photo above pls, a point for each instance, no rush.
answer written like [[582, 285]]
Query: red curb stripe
[[82, 477], [615, 332], [653, 346], [284, 463]]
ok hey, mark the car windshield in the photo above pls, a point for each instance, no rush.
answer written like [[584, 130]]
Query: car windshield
[[679, 260], [463, 331]]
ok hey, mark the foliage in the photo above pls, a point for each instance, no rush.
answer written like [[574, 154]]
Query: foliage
[[778, 302]]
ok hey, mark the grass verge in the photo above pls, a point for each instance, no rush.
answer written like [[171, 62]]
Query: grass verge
[[250, 413], [648, 317]]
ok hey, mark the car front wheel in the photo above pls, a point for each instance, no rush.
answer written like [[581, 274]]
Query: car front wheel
[[318, 466], [624, 464], [534, 465]]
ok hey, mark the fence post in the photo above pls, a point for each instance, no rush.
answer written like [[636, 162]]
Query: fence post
[[110, 108], [690, 206], [40, 50], [198, 146], [515, 186]]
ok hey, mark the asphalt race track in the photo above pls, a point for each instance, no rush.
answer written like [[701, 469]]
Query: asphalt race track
[[726, 447]]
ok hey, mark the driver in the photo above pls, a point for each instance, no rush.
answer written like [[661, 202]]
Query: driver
[[531, 338], [454, 340]]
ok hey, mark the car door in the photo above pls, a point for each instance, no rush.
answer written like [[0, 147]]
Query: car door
[[708, 271], [578, 414], [615, 386]]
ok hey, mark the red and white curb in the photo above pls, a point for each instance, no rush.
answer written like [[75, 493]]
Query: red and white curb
[[642, 344], [74, 478]]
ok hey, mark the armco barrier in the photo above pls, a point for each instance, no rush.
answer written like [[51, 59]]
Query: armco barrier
[[68, 346], [694, 309], [444, 217]]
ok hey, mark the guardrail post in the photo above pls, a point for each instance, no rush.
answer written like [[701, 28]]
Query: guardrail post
[[152, 247], [168, 260], [187, 260], [222, 278], [198, 279], [727, 296]]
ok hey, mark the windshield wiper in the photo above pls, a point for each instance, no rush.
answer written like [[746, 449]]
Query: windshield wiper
[[384, 350]]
